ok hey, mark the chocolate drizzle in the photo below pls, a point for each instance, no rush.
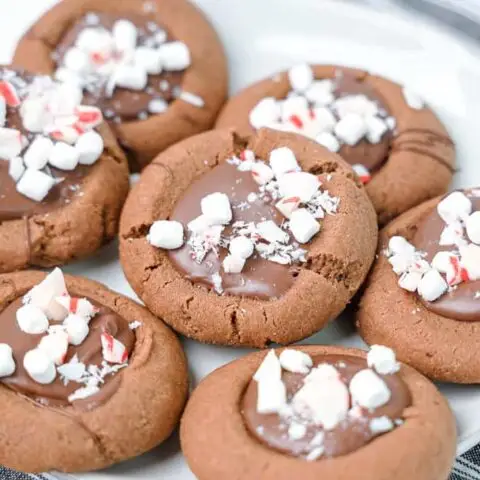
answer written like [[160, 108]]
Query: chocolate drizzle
[[350, 435]]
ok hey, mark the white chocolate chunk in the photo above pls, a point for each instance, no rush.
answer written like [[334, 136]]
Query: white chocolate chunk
[[300, 77], [303, 225], [241, 247], [282, 160], [38, 153], [39, 366], [31, 319], [454, 207], [295, 361], [166, 234], [216, 207], [7, 363], [383, 360], [432, 286], [89, 147], [368, 390]]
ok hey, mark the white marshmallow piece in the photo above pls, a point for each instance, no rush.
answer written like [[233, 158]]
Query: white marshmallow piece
[[199, 225], [38, 153], [303, 225], [7, 363], [282, 160], [376, 129], [269, 369], [368, 390], [320, 92], [442, 261], [148, 59], [39, 366], [130, 76], [241, 247], [89, 147], [77, 329], [16, 168], [355, 104], [413, 100], [456, 206], [470, 260], [233, 264], [300, 77], [166, 234], [324, 120], [35, 184], [351, 129], [329, 141], [472, 224], [33, 113], [410, 281], [261, 173], [44, 294], [287, 205], [125, 35], [295, 361], [303, 185], [453, 234], [76, 60], [216, 207], [3, 112], [94, 39], [175, 56], [266, 112], [31, 319], [432, 286], [271, 396], [55, 345], [383, 360], [113, 350], [271, 232], [400, 245], [63, 156], [10, 143], [294, 105]]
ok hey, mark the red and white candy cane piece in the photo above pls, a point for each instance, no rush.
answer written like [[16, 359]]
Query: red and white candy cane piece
[[88, 117], [456, 273], [78, 306], [262, 173], [296, 121], [286, 206], [9, 93], [113, 350], [67, 134], [362, 172], [247, 155]]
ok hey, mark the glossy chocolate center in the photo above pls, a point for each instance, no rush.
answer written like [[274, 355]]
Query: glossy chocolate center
[[89, 353], [461, 302], [259, 278], [351, 434], [125, 104]]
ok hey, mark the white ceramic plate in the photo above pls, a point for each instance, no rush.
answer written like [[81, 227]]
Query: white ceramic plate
[[262, 37]]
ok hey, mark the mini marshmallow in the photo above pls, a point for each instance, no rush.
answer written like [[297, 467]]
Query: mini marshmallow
[[113, 350], [33, 111], [368, 390], [271, 232], [31, 319], [55, 345], [454, 207], [166, 234], [175, 56], [324, 371], [7, 363], [470, 260], [10, 143], [351, 129], [63, 156], [76, 60], [216, 207], [130, 76], [298, 184], [271, 396], [295, 105], [241, 247], [472, 225], [157, 105], [381, 425], [303, 225], [410, 281], [44, 294], [398, 244], [269, 369], [324, 120], [38, 153], [442, 261], [376, 129], [199, 224], [39, 366], [282, 160], [89, 147], [94, 39], [355, 104], [35, 184], [320, 92], [400, 262], [295, 361], [412, 99], [453, 234], [300, 77], [148, 59], [287, 205], [329, 141], [261, 173], [125, 35], [265, 112], [297, 431], [233, 264], [77, 329], [16, 168], [383, 360], [160, 37], [432, 286]]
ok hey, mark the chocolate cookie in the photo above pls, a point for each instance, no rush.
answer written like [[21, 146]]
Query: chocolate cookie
[[155, 68], [394, 142], [246, 241], [63, 177], [423, 296], [83, 363], [318, 412]]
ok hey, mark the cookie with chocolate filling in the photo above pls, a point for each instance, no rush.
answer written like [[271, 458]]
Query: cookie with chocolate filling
[[155, 68], [318, 412], [394, 142], [83, 363], [423, 296], [63, 177], [247, 241]]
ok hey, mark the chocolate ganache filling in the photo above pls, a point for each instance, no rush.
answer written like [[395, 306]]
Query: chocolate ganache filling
[[123, 104], [357, 429], [89, 352]]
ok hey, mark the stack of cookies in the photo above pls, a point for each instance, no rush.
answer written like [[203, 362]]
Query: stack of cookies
[[256, 233]]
